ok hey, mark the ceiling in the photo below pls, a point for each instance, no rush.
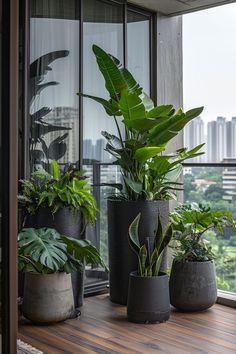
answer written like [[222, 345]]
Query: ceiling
[[177, 7]]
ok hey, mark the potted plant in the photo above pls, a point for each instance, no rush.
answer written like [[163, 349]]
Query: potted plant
[[148, 294], [59, 200], [47, 259], [149, 178], [192, 279]]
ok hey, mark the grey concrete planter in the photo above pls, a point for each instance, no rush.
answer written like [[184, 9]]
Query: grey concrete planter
[[148, 298], [65, 224], [193, 285], [47, 298], [122, 260]]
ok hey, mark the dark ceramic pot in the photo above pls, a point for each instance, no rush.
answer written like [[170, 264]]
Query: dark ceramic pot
[[148, 298], [122, 260], [193, 285], [65, 223]]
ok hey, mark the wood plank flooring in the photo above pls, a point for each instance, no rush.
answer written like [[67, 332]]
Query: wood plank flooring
[[104, 329]]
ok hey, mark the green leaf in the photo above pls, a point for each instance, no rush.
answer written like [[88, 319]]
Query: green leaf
[[133, 234], [55, 170], [44, 246], [132, 84], [159, 234], [142, 125], [83, 251], [135, 186], [160, 111], [167, 130], [131, 106], [142, 260], [114, 80], [146, 153], [110, 108]]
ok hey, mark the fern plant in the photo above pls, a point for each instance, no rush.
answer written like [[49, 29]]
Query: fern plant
[[149, 260], [190, 222], [45, 251], [58, 190]]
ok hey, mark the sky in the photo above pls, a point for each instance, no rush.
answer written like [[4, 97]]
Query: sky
[[209, 61]]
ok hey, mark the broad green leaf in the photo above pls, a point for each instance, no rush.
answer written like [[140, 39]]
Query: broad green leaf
[[110, 108], [43, 246], [160, 111], [135, 186], [167, 130], [131, 106], [146, 153], [132, 85], [114, 80], [83, 251], [142, 124]]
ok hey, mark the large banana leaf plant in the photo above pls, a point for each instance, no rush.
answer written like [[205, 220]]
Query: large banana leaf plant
[[143, 132], [46, 251], [149, 257]]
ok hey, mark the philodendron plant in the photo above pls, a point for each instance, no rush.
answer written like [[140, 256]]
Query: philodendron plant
[[143, 133], [190, 223], [149, 257]]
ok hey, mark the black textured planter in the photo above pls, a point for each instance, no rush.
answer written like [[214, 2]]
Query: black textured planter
[[64, 222], [148, 298], [122, 260], [193, 285]]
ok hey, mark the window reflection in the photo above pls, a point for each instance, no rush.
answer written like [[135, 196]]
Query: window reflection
[[54, 79]]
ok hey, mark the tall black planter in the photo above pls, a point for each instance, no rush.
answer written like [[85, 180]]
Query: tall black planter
[[64, 222], [122, 260], [193, 285], [148, 298]]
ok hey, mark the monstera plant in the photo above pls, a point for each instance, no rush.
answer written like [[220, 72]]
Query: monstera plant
[[47, 259], [149, 175]]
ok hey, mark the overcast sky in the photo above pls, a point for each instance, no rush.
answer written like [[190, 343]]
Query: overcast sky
[[209, 48]]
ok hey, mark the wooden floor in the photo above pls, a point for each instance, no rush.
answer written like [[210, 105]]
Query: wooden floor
[[103, 329]]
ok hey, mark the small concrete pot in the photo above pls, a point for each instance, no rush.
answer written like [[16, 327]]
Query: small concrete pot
[[48, 298], [193, 285], [148, 298]]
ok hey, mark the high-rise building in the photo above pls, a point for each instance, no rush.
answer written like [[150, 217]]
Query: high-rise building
[[194, 135], [217, 140], [231, 138]]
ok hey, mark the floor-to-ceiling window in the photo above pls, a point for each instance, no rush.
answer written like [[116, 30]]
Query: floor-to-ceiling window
[[209, 57], [62, 125]]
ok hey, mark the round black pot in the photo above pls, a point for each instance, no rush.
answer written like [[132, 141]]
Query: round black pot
[[122, 260], [148, 298], [193, 285], [66, 224], [63, 221]]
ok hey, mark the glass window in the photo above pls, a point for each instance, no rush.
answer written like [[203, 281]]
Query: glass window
[[216, 186], [138, 47], [103, 26], [209, 70], [54, 81]]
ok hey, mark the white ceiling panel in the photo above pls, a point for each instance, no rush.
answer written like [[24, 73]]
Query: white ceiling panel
[[176, 7]]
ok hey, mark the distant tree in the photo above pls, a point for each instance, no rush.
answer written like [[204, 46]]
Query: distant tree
[[214, 192]]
